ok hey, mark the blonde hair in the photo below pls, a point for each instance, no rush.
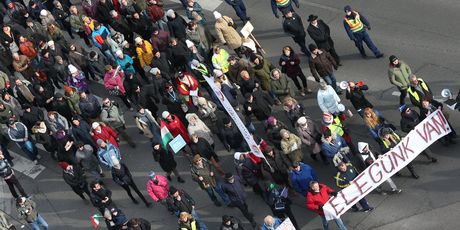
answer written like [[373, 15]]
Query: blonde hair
[[184, 216], [371, 121]]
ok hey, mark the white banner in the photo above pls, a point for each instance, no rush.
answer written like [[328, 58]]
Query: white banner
[[236, 119], [428, 131]]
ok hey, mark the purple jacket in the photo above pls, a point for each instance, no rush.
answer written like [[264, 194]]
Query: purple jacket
[[79, 82]]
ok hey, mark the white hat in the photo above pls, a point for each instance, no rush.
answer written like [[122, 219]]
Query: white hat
[[302, 121], [217, 15], [170, 13], [189, 43], [138, 40], [165, 114], [361, 146], [237, 155], [341, 107], [217, 72], [195, 63], [118, 52], [50, 43], [154, 70], [43, 12], [72, 69], [115, 161], [95, 125]]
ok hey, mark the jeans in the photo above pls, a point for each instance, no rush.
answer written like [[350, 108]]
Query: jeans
[[363, 203], [338, 221], [300, 40], [12, 182], [29, 148], [210, 191], [240, 10], [243, 207], [39, 222], [402, 96], [201, 224], [361, 37], [330, 80]]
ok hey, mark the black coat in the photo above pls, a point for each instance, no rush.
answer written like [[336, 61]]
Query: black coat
[[122, 176], [76, 180], [62, 107], [273, 134], [180, 55], [165, 158], [81, 133], [150, 97], [280, 165], [99, 196], [203, 148], [162, 63], [408, 122], [30, 118], [176, 27], [143, 225], [143, 27], [357, 98], [122, 26], [103, 12], [232, 137], [260, 105], [184, 205], [321, 35], [294, 26]]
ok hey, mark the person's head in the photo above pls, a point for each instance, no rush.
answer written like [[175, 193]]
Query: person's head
[[288, 13], [426, 103], [166, 116], [138, 41], [255, 59], [348, 10], [136, 15], [106, 102], [120, 54], [313, 19], [342, 167], [269, 151], [289, 102], [198, 161], [327, 135], [157, 53], [73, 10], [232, 60], [226, 220], [96, 126], [184, 216], [287, 50], [134, 223], [1, 155], [269, 221], [413, 80], [272, 121], [245, 75], [313, 48], [16, 56], [173, 41], [101, 143], [152, 175], [276, 74], [194, 138], [173, 192], [302, 122], [370, 117], [314, 185], [192, 25], [20, 201], [6, 28], [218, 16], [284, 134], [394, 61], [296, 166], [322, 84], [95, 185], [114, 14], [229, 178], [216, 49], [363, 147], [227, 122]]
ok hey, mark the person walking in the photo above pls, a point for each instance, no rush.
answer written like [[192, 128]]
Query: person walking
[[180, 201], [322, 64], [27, 210], [7, 173], [235, 191], [356, 26], [18, 133], [240, 9], [111, 114], [282, 6], [290, 65], [310, 134], [158, 188], [227, 34], [166, 160], [107, 153], [398, 73], [291, 145], [101, 198], [345, 175], [301, 175], [320, 33], [317, 196], [74, 177], [293, 26], [122, 176]]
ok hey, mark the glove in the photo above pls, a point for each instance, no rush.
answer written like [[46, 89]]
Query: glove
[[277, 16], [368, 28], [228, 148], [333, 193]]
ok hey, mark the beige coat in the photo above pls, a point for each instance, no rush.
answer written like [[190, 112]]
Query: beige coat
[[227, 34], [287, 146]]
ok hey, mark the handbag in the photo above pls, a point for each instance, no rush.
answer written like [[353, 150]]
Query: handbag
[[231, 24]]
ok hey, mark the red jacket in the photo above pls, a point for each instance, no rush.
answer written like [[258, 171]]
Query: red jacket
[[176, 127], [107, 134], [315, 201], [185, 89], [155, 13]]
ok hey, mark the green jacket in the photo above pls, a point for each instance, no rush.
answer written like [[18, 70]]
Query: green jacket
[[28, 212], [74, 101], [76, 22], [113, 117], [400, 76], [3, 80], [262, 72], [280, 87]]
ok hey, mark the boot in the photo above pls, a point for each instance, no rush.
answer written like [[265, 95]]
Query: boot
[[217, 203]]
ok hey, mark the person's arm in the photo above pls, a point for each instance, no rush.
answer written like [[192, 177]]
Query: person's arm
[[340, 182], [365, 21], [274, 8], [348, 30], [393, 80], [313, 69]]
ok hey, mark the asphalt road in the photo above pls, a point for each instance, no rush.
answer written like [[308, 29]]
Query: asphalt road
[[423, 33]]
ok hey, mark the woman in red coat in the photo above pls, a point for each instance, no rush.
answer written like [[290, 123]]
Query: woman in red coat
[[317, 196], [175, 126], [188, 87], [103, 132]]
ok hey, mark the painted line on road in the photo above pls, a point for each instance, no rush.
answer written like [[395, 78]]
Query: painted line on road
[[209, 5], [26, 166]]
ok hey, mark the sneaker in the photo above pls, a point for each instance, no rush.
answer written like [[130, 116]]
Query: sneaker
[[355, 209], [434, 160], [396, 191], [148, 204], [302, 94], [217, 203], [135, 201], [380, 55], [368, 209]]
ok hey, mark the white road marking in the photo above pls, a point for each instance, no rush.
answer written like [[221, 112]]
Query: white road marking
[[209, 5], [26, 166]]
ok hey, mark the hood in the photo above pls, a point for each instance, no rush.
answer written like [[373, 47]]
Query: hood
[[273, 70], [361, 146]]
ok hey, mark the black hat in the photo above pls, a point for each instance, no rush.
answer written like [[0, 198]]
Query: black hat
[[172, 190], [228, 176], [247, 95], [312, 17], [253, 57], [58, 95], [226, 120], [268, 149], [226, 218], [26, 106], [393, 58], [285, 11], [295, 164], [347, 8], [312, 47]]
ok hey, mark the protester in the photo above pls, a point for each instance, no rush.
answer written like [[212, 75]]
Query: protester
[[27, 210]]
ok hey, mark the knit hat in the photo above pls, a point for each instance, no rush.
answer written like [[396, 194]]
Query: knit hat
[[402, 108], [312, 17], [63, 165], [95, 125], [172, 190], [347, 8], [196, 158], [138, 40], [152, 175], [218, 72], [327, 118], [302, 121], [165, 114], [108, 67], [189, 43], [50, 43], [58, 95], [43, 13], [237, 155], [312, 47], [226, 120], [99, 142], [228, 176], [283, 131], [361, 146], [118, 52], [268, 149], [271, 120], [226, 218], [217, 15], [72, 69], [154, 70], [170, 13], [58, 58], [393, 58], [295, 164], [385, 131]]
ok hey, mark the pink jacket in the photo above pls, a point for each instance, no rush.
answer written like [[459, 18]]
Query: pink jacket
[[160, 191], [110, 82]]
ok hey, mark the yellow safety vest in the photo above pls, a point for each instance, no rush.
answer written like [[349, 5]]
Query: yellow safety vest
[[336, 127], [355, 24], [387, 143], [414, 93]]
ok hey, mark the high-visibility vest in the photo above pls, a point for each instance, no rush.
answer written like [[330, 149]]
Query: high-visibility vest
[[387, 143], [355, 24], [282, 3], [414, 93], [336, 127]]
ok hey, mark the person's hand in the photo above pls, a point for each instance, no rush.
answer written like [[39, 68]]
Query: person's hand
[[200, 178], [249, 108], [277, 16], [283, 63], [211, 174], [156, 147], [228, 147], [193, 206], [272, 170], [292, 63]]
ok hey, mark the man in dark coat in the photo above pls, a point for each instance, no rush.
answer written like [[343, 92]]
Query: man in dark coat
[[258, 103], [103, 12], [122, 176], [277, 165], [74, 177], [61, 105], [166, 161], [320, 33], [31, 115], [232, 138], [139, 224], [101, 198], [89, 106], [356, 96], [176, 25], [149, 98], [81, 131], [293, 26], [120, 24], [161, 62]]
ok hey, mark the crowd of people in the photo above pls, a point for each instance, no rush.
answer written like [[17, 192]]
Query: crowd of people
[[157, 62]]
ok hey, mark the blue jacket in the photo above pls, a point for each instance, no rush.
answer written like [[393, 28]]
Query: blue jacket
[[103, 32], [124, 62], [276, 224], [329, 150], [105, 155], [347, 27], [235, 191], [301, 180]]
